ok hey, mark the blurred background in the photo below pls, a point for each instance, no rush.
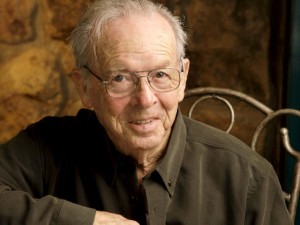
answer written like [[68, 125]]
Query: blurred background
[[251, 46]]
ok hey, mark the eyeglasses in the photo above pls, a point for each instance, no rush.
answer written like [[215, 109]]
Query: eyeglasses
[[124, 83]]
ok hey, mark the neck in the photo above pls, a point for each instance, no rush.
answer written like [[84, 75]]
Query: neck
[[147, 164], [146, 159]]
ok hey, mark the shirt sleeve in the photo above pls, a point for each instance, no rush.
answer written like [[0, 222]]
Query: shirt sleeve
[[265, 201], [22, 196]]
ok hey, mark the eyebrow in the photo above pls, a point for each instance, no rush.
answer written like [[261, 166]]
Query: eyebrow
[[165, 63], [161, 66]]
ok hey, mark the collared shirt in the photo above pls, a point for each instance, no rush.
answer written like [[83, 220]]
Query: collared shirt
[[61, 170]]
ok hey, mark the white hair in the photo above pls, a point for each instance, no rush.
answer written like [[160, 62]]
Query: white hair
[[87, 34]]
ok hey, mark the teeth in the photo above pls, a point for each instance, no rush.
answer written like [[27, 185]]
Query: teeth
[[143, 121]]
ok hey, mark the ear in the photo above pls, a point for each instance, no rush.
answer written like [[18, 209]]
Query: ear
[[81, 86], [186, 67]]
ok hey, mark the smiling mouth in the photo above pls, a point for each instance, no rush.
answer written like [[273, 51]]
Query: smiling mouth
[[142, 121]]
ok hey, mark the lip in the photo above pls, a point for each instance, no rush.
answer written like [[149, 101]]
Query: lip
[[144, 126], [144, 121]]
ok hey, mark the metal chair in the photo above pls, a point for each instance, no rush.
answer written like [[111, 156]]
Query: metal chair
[[222, 95]]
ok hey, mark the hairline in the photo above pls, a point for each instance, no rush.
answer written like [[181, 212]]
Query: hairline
[[91, 28]]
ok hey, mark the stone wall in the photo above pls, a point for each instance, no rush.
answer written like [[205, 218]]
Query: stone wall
[[228, 47]]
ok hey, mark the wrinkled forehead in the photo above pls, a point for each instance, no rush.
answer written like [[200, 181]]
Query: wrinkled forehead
[[136, 35]]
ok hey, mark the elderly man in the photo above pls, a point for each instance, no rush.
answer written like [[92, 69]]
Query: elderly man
[[130, 157]]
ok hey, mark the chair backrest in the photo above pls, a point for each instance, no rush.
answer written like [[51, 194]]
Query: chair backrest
[[228, 97]]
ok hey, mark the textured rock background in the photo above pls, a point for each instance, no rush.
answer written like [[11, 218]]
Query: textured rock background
[[232, 44]]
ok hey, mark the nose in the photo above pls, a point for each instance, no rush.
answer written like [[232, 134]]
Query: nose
[[144, 95]]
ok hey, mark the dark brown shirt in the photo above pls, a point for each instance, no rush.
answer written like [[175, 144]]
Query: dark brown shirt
[[60, 170]]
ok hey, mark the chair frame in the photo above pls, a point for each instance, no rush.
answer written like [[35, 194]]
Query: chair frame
[[218, 93]]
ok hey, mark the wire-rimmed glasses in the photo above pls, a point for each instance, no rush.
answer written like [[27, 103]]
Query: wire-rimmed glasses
[[124, 83]]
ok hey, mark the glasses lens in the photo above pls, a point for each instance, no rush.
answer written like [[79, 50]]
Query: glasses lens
[[164, 80], [120, 84]]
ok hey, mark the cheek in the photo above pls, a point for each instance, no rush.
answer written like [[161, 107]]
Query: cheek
[[109, 111], [99, 99], [170, 100], [170, 104]]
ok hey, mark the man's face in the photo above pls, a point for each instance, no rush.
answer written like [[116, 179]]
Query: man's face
[[141, 122]]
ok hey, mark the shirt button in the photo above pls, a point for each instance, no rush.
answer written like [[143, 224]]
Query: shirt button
[[154, 211], [134, 198], [170, 183]]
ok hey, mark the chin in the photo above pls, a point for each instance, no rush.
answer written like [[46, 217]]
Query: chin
[[148, 144]]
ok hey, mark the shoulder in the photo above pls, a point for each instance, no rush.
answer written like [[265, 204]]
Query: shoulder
[[61, 126], [61, 134], [63, 138], [222, 149]]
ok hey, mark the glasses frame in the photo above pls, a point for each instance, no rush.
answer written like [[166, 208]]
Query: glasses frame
[[105, 82]]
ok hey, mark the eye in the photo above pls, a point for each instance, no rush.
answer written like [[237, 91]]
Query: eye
[[119, 78], [160, 75]]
